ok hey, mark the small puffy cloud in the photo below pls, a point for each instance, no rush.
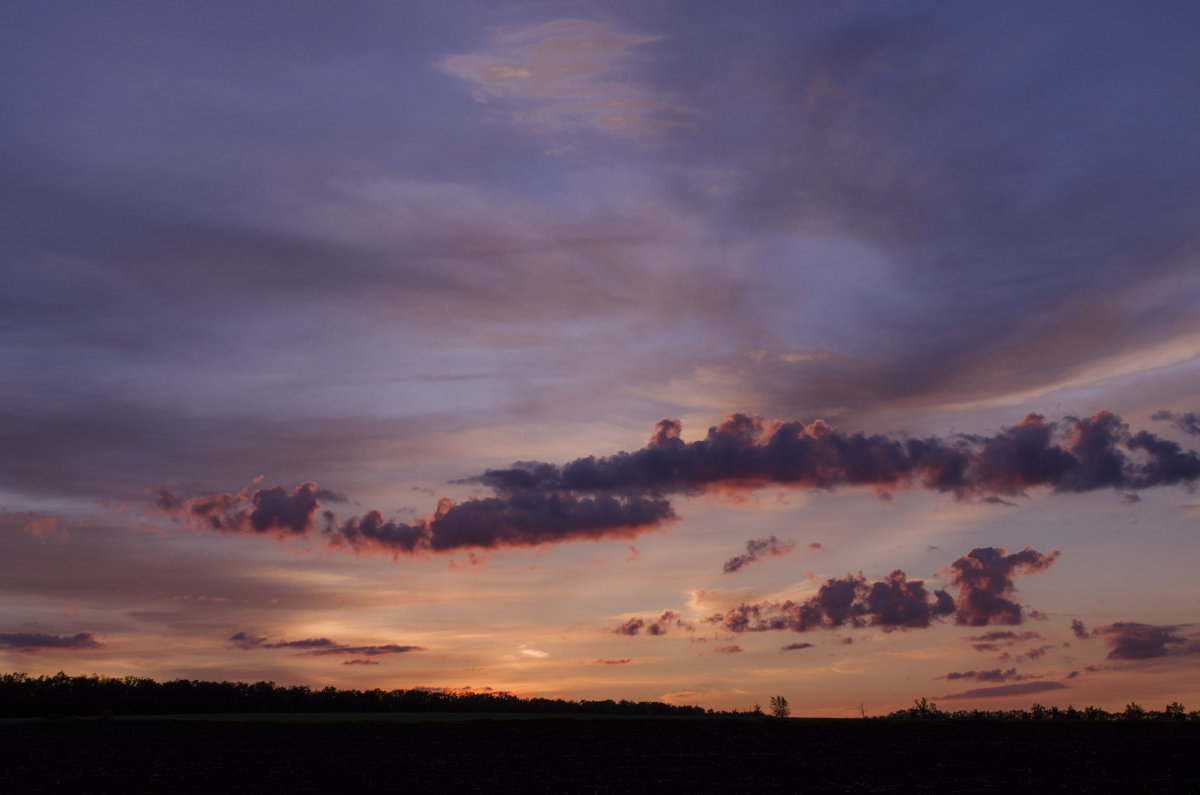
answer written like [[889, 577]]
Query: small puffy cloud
[[756, 547], [659, 626]]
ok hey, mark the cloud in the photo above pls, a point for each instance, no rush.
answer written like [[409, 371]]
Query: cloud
[[994, 640], [1135, 641], [894, 602], [1005, 691], [1076, 455], [983, 577], [625, 494], [519, 519], [36, 641], [44, 527], [268, 511], [728, 649], [994, 675], [319, 647], [360, 662], [566, 77], [624, 661], [769, 546], [795, 646], [659, 626], [1188, 422], [1079, 630], [985, 581]]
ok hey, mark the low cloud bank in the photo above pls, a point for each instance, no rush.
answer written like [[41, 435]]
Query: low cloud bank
[[627, 494], [37, 641], [984, 578]]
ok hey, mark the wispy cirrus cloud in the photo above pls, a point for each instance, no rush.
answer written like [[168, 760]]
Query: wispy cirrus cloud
[[566, 77]]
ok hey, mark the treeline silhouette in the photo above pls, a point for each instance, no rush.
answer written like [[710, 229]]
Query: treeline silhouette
[[923, 709], [24, 696], [60, 695]]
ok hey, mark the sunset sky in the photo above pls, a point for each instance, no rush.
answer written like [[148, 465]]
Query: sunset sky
[[686, 351]]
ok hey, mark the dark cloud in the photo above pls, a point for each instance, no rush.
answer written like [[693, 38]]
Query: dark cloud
[[1073, 456], [983, 577], [316, 645], [624, 661], [659, 626], [520, 519], [994, 640], [36, 641], [1005, 691], [269, 511], [360, 662], [624, 495], [985, 581], [1134, 641], [769, 547], [1188, 422], [319, 647], [994, 675], [1034, 653], [795, 646], [728, 650], [894, 602], [1079, 630]]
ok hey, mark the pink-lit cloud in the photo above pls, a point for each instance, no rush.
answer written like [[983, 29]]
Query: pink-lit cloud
[[895, 602], [985, 581], [625, 494]]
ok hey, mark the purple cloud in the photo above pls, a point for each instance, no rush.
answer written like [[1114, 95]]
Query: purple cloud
[[1005, 691], [769, 547], [36, 641], [1135, 641]]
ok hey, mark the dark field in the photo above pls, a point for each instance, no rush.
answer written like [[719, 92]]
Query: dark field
[[295, 754]]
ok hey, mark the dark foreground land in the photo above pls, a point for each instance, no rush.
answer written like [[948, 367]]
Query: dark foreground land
[[493, 754]]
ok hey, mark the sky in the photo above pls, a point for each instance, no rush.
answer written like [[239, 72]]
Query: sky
[[684, 351]]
